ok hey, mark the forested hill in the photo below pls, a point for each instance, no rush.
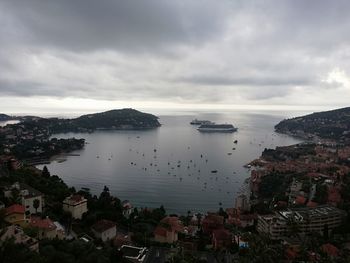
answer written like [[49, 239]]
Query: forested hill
[[334, 124], [124, 119], [4, 117], [117, 119]]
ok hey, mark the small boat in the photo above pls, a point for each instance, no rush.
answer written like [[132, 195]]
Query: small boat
[[229, 153], [235, 141], [214, 171]]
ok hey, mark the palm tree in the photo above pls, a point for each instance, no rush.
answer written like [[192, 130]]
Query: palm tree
[[36, 204]]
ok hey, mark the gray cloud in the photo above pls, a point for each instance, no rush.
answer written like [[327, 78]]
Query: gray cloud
[[269, 52]]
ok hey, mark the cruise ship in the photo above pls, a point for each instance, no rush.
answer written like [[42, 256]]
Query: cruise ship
[[200, 122], [217, 128]]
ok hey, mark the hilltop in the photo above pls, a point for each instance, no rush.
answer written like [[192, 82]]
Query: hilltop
[[4, 117], [123, 119], [334, 124], [32, 139]]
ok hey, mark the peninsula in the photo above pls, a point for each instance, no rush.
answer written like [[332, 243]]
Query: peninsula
[[331, 125], [32, 138]]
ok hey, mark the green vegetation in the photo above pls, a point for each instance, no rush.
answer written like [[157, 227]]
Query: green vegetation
[[333, 124]]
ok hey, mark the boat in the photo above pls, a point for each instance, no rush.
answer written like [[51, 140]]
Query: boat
[[217, 128], [214, 171], [200, 122]]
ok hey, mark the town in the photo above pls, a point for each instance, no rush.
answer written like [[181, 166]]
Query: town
[[295, 207]]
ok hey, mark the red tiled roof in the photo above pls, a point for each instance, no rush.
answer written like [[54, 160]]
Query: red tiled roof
[[76, 198], [160, 231], [15, 209], [45, 223], [221, 234], [300, 200], [330, 250], [311, 204], [173, 222], [103, 225]]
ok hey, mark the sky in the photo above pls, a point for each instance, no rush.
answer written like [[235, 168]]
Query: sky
[[88, 55]]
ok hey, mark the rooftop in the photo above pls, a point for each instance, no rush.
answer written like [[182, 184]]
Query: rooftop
[[103, 225], [15, 209]]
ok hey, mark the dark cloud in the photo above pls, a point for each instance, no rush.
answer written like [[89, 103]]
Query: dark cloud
[[208, 51], [83, 25]]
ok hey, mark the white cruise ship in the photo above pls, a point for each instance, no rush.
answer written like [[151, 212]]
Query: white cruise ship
[[217, 128]]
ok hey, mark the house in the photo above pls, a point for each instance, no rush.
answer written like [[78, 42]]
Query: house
[[19, 237], [31, 198], [211, 222], [47, 229], [104, 230], [221, 238], [15, 215], [76, 205], [168, 229], [127, 208]]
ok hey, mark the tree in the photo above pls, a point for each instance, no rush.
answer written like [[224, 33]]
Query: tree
[[45, 173], [36, 204]]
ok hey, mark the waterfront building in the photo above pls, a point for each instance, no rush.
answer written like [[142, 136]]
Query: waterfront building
[[321, 219]]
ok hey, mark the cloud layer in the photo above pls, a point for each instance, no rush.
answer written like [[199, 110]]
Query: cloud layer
[[186, 52]]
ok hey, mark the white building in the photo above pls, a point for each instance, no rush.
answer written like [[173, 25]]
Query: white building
[[319, 219], [242, 203], [76, 205], [104, 230], [30, 197]]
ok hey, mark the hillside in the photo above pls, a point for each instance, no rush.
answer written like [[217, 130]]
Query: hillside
[[334, 124], [124, 119], [4, 117]]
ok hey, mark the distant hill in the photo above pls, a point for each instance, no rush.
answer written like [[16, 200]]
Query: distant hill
[[334, 124], [124, 119], [117, 119], [4, 117]]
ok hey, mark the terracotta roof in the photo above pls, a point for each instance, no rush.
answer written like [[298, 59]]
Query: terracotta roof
[[311, 204], [103, 225], [45, 223], [221, 234], [76, 198], [15, 209], [161, 231], [173, 222], [330, 249], [300, 200]]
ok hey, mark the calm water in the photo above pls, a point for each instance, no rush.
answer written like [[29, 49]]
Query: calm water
[[142, 166]]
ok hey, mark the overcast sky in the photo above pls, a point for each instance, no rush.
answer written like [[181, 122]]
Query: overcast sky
[[87, 54]]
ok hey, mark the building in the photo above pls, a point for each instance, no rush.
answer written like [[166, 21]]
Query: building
[[76, 205], [127, 208], [104, 230], [168, 229], [211, 222], [242, 203], [31, 198], [221, 238], [15, 215], [16, 233], [320, 219], [47, 229]]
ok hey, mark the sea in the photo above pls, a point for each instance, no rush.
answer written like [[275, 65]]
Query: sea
[[174, 165]]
